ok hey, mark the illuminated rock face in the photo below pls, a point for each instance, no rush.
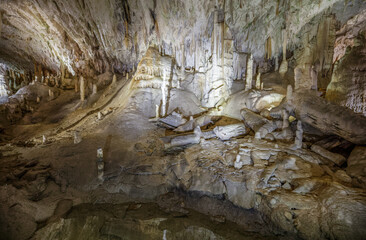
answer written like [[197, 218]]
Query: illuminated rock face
[[3, 87], [4, 92], [93, 37], [348, 85], [164, 89]]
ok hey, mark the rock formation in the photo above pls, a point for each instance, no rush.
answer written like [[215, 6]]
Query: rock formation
[[140, 119]]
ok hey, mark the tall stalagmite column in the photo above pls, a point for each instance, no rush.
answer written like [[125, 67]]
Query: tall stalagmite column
[[258, 82], [249, 77], [284, 64], [82, 89], [164, 94]]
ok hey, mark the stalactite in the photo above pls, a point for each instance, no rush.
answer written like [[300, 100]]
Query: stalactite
[[284, 64], [268, 48], [62, 73], [222, 33], [249, 76]]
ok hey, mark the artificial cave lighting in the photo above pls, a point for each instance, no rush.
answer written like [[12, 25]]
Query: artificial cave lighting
[[182, 119]]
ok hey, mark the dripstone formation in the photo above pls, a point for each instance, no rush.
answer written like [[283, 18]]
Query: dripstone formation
[[172, 119]]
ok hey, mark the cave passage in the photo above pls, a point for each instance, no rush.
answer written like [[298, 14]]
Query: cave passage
[[183, 119]]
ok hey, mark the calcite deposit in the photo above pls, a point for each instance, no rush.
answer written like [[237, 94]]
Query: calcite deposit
[[172, 119]]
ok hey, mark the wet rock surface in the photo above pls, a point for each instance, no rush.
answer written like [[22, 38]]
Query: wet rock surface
[[182, 119]]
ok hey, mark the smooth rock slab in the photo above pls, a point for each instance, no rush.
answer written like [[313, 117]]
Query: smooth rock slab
[[334, 157], [230, 131]]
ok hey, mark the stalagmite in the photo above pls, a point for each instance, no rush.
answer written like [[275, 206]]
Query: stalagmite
[[44, 139], [77, 137], [289, 93], [164, 95], [286, 133], [82, 89], [284, 64], [51, 94], [99, 115], [114, 80], [258, 84], [100, 164], [249, 76], [238, 164], [298, 77], [95, 88], [157, 111], [298, 138]]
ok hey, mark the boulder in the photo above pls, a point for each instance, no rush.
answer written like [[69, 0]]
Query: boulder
[[334, 157], [356, 162]]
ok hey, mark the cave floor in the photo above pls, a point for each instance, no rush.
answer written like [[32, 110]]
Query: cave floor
[[46, 187]]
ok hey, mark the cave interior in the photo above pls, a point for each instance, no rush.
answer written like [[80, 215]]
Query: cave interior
[[182, 119]]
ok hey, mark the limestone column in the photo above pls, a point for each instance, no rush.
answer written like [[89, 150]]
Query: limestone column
[[157, 111], [289, 94], [298, 77], [51, 94], [77, 137], [284, 64], [164, 95], [249, 76], [100, 164], [82, 89], [298, 139], [258, 81], [285, 121], [95, 88]]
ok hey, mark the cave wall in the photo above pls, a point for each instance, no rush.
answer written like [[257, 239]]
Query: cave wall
[[209, 42], [348, 84]]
